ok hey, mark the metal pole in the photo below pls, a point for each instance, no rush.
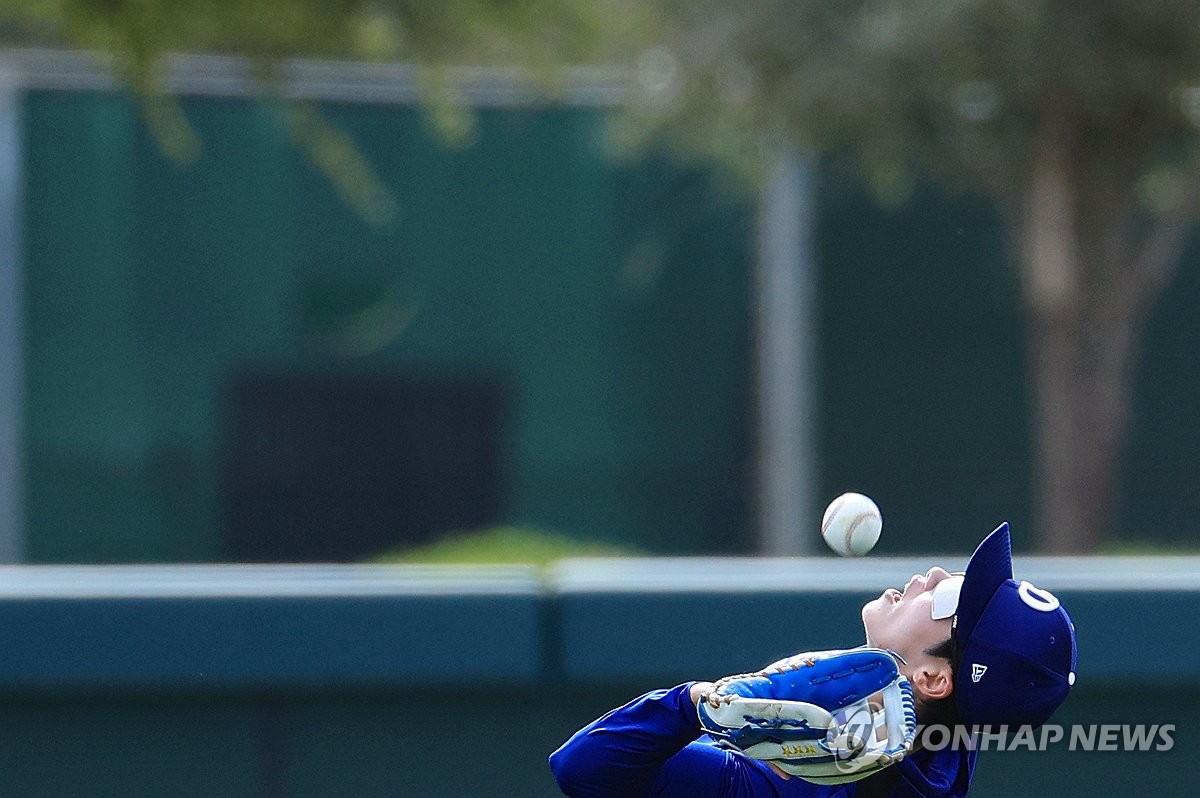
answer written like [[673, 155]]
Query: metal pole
[[12, 484], [784, 344]]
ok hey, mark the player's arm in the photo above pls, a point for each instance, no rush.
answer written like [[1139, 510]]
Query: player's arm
[[647, 748]]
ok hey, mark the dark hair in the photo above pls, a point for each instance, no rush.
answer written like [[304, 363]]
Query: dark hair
[[941, 711]]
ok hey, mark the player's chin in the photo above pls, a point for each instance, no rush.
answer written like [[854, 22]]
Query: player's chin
[[875, 608]]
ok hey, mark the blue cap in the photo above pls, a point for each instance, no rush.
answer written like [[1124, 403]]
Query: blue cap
[[1016, 643]]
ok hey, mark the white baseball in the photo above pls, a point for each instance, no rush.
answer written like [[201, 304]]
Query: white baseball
[[851, 525]]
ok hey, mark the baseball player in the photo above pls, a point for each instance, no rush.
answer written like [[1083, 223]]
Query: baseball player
[[972, 650]]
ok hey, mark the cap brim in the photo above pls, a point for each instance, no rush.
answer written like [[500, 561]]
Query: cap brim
[[989, 568]]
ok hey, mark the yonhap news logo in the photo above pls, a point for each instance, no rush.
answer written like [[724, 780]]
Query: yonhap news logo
[[864, 757], [1113, 737]]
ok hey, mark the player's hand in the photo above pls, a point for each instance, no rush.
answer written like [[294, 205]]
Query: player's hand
[[697, 693], [698, 690]]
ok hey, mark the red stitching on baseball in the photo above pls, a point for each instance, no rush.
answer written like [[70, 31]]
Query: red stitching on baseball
[[858, 519], [832, 513]]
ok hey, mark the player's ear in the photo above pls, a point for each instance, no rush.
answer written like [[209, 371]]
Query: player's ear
[[933, 680]]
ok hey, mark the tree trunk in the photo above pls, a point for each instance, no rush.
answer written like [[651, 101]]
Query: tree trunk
[[1082, 397], [1079, 359], [1087, 289]]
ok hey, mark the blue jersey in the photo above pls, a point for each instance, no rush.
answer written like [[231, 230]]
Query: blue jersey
[[653, 747]]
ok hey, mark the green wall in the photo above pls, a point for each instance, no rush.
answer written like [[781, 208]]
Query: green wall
[[924, 398], [923, 377], [602, 301]]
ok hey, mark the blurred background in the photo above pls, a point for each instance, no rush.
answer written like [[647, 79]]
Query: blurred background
[[354, 348]]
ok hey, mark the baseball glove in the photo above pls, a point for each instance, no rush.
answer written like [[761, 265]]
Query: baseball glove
[[829, 717]]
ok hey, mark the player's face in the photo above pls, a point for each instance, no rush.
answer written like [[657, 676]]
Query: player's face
[[902, 619]]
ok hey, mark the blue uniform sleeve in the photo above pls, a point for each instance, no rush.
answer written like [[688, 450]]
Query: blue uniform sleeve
[[649, 749], [620, 753], [946, 773]]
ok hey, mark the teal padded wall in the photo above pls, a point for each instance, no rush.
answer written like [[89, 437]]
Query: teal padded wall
[[400, 682], [604, 300]]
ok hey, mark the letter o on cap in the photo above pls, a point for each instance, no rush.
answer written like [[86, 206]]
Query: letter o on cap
[[1038, 599]]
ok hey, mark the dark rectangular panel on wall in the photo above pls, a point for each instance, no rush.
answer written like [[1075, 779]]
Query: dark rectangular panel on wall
[[336, 468]]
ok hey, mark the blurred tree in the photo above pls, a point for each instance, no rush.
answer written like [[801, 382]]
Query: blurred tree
[[435, 35], [482, 32], [1079, 119]]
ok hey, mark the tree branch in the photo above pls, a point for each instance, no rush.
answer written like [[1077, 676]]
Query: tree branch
[[1158, 258]]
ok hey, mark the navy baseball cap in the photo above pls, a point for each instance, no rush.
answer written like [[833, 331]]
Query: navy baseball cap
[[1016, 643]]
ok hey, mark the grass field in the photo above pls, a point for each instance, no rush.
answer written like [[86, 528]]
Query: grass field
[[504, 545]]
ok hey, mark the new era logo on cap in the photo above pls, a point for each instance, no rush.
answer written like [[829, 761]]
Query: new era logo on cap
[[977, 671]]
